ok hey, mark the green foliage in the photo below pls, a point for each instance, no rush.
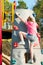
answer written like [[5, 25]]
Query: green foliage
[[7, 6], [38, 8], [22, 5]]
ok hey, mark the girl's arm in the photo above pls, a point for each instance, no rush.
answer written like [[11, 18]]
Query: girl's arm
[[37, 25], [20, 17]]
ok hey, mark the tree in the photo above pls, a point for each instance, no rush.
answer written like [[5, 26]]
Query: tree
[[7, 6], [38, 8], [22, 5]]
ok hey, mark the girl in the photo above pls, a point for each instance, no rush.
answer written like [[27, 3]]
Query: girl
[[31, 34]]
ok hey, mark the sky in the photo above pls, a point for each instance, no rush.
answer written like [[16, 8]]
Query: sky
[[30, 3]]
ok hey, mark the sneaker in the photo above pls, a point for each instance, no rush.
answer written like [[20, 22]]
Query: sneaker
[[31, 61], [22, 43]]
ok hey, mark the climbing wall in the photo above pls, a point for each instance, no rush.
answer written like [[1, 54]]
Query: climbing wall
[[20, 53]]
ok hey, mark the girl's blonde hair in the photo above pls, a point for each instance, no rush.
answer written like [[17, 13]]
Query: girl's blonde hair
[[30, 19]]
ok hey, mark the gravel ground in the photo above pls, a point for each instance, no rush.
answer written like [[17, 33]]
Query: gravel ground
[[6, 47]]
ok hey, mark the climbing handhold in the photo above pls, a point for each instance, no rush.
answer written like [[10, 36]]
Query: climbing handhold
[[41, 51], [41, 62], [15, 44], [35, 44], [15, 27], [13, 61]]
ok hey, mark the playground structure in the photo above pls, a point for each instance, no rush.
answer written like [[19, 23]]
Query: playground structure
[[7, 16], [4, 58], [21, 53], [7, 12]]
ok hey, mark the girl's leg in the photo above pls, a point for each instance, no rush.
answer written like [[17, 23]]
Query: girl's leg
[[22, 34], [31, 53], [31, 50]]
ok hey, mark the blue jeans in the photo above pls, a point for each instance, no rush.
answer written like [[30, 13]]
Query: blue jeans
[[32, 38]]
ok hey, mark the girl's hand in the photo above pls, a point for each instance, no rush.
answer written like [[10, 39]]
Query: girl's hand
[[20, 17], [16, 13]]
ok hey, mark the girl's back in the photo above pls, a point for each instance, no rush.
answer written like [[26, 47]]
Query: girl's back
[[31, 27]]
